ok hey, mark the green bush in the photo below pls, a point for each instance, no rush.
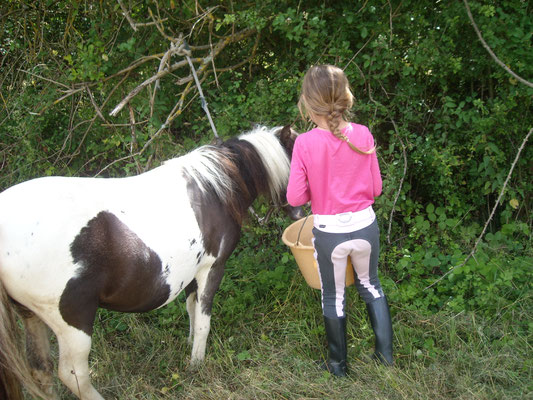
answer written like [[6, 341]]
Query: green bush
[[447, 119]]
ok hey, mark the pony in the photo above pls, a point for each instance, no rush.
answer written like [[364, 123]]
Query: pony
[[69, 245]]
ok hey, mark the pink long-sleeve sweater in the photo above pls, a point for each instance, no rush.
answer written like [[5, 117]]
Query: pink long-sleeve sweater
[[327, 172]]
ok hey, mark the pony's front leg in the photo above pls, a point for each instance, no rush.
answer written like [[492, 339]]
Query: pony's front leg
[[207, 280], [190, 292]]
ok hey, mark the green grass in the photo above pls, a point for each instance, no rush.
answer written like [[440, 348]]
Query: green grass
[[268, 353]]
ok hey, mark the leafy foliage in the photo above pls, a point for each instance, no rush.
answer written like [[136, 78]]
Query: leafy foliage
[[436, 102]]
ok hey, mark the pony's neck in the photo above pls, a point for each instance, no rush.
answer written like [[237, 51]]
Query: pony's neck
[[274, 159], [251, 178]]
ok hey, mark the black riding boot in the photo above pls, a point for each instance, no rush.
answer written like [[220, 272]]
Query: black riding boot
[[379, 314], [336, 335]]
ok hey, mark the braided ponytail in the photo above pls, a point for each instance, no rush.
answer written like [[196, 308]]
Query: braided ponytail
[[326, 92], [334, 119]]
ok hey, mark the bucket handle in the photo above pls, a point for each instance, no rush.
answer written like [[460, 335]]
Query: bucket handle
[[301, 228]]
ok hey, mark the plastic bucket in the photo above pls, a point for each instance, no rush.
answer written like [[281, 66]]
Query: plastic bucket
[[299, 237]]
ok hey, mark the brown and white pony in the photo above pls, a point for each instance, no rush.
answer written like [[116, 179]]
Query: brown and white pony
[[71, 245]]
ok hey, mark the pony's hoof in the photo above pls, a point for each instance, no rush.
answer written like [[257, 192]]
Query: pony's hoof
[[194, 365]]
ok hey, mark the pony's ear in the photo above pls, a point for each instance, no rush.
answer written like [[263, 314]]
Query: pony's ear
[[285, 136], [216, 141]]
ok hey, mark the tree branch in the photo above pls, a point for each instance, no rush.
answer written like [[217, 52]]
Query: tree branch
[[500, 63]]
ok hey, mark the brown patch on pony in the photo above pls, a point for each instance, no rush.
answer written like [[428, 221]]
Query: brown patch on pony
[[220, 234], [251, 177], [118, 272], [241, 164], [191, 288], [240, 193], [220, 219], [215, 219]]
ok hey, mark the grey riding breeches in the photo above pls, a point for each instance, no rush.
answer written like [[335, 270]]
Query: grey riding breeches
[[332, 251]]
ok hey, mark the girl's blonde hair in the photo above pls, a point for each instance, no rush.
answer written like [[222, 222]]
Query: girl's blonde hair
[[326, 92]]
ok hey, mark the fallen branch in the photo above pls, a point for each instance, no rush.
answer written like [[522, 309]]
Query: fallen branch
[[205, 55], [173, 114]]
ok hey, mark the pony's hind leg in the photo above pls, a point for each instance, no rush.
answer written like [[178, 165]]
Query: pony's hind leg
[[73, 369], [38, 351]]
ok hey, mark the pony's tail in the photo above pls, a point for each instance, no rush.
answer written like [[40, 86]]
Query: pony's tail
[[14, 369]]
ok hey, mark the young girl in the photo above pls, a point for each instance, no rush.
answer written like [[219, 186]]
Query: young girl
[[335, 167]]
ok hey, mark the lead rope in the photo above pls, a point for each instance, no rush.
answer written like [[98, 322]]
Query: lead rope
[[187, 52]]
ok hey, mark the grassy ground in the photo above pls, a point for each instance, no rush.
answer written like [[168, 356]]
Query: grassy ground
[[268, 353]]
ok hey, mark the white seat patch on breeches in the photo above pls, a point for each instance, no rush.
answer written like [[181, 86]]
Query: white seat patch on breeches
[[359, 251]]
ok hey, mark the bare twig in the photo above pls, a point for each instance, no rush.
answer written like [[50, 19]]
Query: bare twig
[[91, 122], [358, 51], [204, 63], [362, 7], [390, 24], [401, 180], [159, 26], [486, 46], [45, 79], [126, 14], [147, 82], [134, 25], [491, 214], [78, 87], [165, 62], [173, 114], [96, 108], [123, 125], [133, 144], [135, 65]]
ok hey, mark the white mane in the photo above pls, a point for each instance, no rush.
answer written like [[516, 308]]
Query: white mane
[[203, 164], [273, 156]]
